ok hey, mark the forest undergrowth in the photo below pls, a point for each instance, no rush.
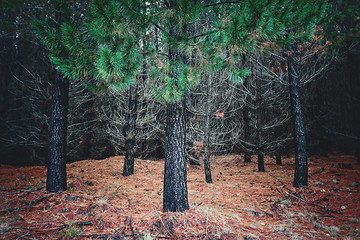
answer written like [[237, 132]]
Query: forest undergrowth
[[242, 203]]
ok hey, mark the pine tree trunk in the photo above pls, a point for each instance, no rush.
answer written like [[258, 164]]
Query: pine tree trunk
[[56, 171], [301, 164], [279, 150], [191, 154], [175, 198], [88, 135], [130, 129], [246, 124], [207, 168], [259, 126]]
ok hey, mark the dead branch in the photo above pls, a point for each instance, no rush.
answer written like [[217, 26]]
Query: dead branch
[[193, 236], [76, 223], [116, 236], [102, 236], [257, 213], [326, 209], [29, 203], [60, 227], [132, 230], [13, 189], [30, 191]]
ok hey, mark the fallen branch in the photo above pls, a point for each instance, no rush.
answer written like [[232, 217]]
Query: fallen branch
[[59, 227], [257, 213], [30, 191], [76, 223], [117, 236], [132, 230], [313, 204], [101, 236], [28, 203], [13, 189], [193, 236]]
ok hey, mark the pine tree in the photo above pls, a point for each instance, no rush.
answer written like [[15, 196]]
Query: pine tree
[[300, 28], [50, 32]]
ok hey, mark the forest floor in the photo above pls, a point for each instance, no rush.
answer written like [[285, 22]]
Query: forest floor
[[242, 203]]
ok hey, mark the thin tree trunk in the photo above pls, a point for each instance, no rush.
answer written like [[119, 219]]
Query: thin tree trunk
[[259, 126], [358, 154], [191, 154], [301, 164], [279, 150], [130, 129], [88, 135], [4, 70], [246, 124], [56, 171], [175, 198], [207, 132]]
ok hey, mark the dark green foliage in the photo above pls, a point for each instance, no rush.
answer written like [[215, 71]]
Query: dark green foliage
[[105, 46]]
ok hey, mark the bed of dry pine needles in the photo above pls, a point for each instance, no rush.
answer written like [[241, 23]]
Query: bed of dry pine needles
[[242, 203]]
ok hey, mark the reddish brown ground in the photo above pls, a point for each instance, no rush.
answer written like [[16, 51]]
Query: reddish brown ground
[[241, 203]]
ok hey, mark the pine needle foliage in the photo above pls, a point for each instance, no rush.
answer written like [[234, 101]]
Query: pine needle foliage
[[102, 49], [54, 30], [106, 43]]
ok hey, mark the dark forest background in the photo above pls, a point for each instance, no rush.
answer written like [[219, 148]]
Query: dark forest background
[[330, 93]]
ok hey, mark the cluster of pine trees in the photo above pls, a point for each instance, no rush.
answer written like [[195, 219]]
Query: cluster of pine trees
[[196, 77]]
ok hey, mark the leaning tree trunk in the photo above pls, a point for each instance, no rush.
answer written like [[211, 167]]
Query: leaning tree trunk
[[246, 124], [130, 129], [56, 171], [208, 178], [175, 197], [259, 126], [301, 164]]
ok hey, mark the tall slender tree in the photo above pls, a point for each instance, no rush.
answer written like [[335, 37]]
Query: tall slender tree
[[300, 29], [246, 121], [207, 168], [301, 164], [259, 125]]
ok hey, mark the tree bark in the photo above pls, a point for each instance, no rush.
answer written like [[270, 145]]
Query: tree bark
[[175, 198], [246, 124], [301, 164], [130, 129], [56, 171], [207, 168], [260, 153]]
